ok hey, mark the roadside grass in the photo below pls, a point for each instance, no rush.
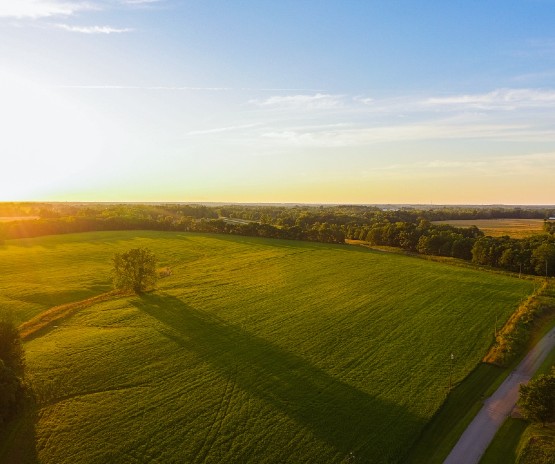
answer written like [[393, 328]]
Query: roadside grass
[[515, 228], [254, 350], [512, 444], [504, 447], [463, 403], [525, 326]]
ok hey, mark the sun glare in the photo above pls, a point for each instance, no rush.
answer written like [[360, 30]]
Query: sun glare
[[45, 143]]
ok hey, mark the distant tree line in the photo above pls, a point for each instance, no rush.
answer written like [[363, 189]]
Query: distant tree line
[[406, 228], [532, 255], [422, 237], [193, 218]]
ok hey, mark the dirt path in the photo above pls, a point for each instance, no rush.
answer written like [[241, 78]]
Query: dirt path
[[478, 435], [42, 321]]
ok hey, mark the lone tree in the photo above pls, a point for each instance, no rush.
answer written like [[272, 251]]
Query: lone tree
[[135, 270], [537, 399]]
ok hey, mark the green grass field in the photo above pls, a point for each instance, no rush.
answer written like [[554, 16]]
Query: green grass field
[[252, 351], [515, 228]]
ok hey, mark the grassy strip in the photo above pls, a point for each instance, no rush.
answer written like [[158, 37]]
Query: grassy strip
[[460, 407], [516, 333], [42, 321], [504, 447], [518, 440]]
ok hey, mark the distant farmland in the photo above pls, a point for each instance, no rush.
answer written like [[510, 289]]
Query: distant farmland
[[252, 351], [515, 228], [17, 218]]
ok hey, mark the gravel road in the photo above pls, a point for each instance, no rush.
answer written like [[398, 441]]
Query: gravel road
[[476, 438]]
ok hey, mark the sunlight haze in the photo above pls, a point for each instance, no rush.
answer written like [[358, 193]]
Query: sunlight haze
[[312, 102]]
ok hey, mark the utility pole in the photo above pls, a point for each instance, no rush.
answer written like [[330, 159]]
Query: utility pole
[[451, 372]]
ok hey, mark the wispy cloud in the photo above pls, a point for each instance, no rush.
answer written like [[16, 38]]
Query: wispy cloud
[[316, 101], [140, 87], [507, 99], [218, 130], [334, 120], [537, 48], [93, 29], [364, 100], [35, 9], [440, 130], [176, 88], [527, 164], [140, 2], [534, 76]]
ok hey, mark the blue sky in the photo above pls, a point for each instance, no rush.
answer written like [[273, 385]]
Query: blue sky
[[278, 101]]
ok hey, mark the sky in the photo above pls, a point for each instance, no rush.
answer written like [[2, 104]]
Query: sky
[[284, 101]]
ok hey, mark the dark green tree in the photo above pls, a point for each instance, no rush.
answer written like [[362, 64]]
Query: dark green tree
[[11, 392], [11, 370], [543, 258], [11, 350], [537, 399], [135, 270]]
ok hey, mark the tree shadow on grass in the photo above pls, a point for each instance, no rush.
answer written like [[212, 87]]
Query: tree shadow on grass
[[341, 415], [18, 440]]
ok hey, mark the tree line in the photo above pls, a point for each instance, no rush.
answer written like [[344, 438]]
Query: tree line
[[406, 228], [191, 218]]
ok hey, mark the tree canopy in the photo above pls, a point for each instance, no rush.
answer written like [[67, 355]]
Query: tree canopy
[[11, 368], [135, 270], [11, 350], [406, 227], [537, 399]]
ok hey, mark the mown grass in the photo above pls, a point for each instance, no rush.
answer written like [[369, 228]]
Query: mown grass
[[252, 351], [504, 448], [515, 228], [519, 442]]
